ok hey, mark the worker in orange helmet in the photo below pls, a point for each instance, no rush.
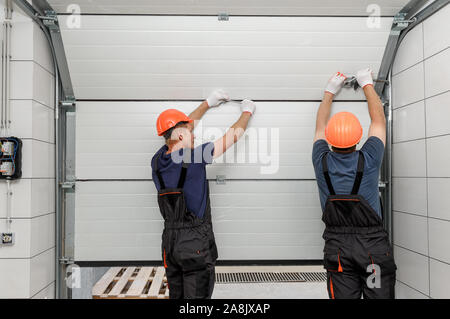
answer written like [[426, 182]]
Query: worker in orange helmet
[[189, 249], [357, 254]]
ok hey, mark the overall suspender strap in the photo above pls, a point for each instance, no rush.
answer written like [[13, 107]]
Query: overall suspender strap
[[158, 173], [359, 174], [182, 175], [326, 174]]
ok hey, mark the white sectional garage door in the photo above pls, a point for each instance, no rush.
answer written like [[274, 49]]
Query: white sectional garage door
[[126, 70]]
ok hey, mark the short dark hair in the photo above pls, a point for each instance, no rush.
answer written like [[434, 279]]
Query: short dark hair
[[344, 150], [168, 133]]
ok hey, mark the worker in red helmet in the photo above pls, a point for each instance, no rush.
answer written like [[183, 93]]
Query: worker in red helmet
[[189, 249], [357, 254]]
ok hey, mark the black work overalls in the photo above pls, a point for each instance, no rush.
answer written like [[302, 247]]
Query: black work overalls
[[357, 254], [188, 246]]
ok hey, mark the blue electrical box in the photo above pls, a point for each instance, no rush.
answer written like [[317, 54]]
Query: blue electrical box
[[10, 158]]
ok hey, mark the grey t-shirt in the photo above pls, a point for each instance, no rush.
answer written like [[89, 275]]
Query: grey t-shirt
[[342, 170]]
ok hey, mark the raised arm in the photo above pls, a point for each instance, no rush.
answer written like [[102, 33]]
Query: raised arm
[[323, 114], [215, 99], [378, 119], [236, 131]]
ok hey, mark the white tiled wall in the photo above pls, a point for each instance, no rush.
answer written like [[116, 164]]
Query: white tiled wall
[[421, 153], [28, 267]]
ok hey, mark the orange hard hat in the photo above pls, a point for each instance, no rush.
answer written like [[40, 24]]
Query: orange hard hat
[[168, 119], [343, 130]]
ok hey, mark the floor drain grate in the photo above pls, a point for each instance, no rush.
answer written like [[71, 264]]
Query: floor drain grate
[[314, 276], [269, 277]]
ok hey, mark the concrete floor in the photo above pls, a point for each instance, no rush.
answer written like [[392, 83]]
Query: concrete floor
[[313, 290], [271, 291]]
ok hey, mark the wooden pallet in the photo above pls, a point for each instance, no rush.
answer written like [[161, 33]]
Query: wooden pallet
[[132, 283]]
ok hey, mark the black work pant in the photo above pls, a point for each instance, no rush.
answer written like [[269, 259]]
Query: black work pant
[[359, 265], [190, 256], [195, 284]]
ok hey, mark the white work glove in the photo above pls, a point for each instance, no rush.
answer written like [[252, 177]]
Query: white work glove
[[364, 77], [248, 106], [335, 83], [217, 97]]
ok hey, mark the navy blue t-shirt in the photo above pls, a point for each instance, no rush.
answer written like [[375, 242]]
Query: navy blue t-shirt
[[342, 169], [196, 186]]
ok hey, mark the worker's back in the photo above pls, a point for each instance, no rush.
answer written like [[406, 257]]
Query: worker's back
[[342, 169]]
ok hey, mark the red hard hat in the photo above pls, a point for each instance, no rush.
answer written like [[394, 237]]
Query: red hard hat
[[343, 130], [168, 119]]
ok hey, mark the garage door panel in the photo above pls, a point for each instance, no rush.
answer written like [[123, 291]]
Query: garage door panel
[[266, 213], [241, 72], [269, 226], [116, 140], [358, 38], [225, 53], [109, 210], [166, 23], [266, 58], [275, 239], [293, 252], [112, 240]]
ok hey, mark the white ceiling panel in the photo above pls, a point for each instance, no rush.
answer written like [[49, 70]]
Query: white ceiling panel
[[185, 58], [233, 7]]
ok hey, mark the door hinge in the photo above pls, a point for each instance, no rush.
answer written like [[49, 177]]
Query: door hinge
[[66, 261], [382, 184], [68, 104], [68, 185], [50, 20], [400, 22]]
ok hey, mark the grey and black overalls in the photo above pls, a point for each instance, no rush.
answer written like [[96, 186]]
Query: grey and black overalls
[[357, 254], [188, 246]]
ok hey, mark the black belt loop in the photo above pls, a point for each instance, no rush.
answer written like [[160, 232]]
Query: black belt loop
[[359, 174], [326, 174]]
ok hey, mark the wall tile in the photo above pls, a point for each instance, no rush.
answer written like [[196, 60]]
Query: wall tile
[[410, 195], [438, 201], [22, 40], [43, 86], [437, 32], [22, 80], [42, 53], [30, 119], [38, 159], [407, 86], [21, 248], [438, 114], [439, 236], [437, 73], [405, 165], [402, 291], [438, 156], [46, 293], [439, 280], [412, 269], [409, 122], [15, 276], [416, 240], [42, 233], [410, 51], [31, 197], [42, 271]]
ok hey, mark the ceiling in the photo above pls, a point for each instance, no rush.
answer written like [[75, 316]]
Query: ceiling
[[233, 7]]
